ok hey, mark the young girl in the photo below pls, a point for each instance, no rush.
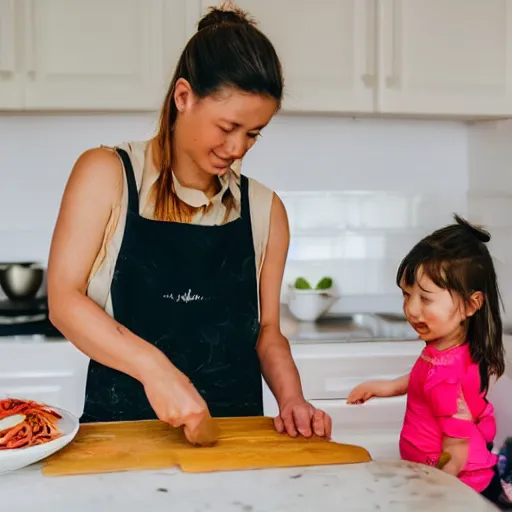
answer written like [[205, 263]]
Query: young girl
[[451, 299]]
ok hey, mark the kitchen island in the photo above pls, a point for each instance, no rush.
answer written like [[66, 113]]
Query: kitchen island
[[376, 486], [54, 372]]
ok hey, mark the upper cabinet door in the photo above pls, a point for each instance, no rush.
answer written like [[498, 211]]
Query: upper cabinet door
[[94, 54], [326, 49], [180, 23], [445, 57], [11, 76]]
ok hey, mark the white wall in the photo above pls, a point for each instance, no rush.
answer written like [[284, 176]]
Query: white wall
[[490, 195], [359, 193]]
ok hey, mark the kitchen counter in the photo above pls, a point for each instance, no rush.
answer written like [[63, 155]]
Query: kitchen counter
[[356, 327], [376, 486]]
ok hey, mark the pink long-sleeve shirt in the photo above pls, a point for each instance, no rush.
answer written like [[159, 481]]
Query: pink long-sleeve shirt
[[444, 399]]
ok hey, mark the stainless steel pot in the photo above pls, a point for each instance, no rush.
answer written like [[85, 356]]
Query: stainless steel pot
[[21, 281]]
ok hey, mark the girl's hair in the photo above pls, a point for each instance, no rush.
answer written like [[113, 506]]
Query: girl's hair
[[456, 258], [228, 50]]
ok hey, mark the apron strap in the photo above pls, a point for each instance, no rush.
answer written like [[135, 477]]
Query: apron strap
[[133, 193], [245, 212], [244, 192]]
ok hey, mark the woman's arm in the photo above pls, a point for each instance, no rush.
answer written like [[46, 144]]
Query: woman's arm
[[85, 209], [274, 351], [278, 366]]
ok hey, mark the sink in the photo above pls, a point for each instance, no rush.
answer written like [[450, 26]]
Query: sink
[[353, 327]]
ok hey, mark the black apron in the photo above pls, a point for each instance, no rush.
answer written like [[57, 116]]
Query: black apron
[[191, 291]]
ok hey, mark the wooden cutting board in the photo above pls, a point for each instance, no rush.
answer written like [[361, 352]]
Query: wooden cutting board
[[244, 443]]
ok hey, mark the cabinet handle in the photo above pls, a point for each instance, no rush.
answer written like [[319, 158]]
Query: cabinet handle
[[7, 41], [393, 79], [368, 78], [29, 37]]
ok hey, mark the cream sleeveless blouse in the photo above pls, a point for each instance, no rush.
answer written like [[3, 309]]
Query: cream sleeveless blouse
[[260, 198]]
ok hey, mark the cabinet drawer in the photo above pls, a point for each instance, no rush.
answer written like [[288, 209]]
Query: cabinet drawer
[[50, 373], [378, 414], [59, 389], [331, 371]]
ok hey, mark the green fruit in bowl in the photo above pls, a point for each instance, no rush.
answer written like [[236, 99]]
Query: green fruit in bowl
[[324, 284], [302, 284]]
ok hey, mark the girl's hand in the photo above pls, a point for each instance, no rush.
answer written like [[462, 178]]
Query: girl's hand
[[380, 388], [362, 393], [297, 416]]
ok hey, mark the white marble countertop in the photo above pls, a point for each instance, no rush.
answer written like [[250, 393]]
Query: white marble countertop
[[376, 486]]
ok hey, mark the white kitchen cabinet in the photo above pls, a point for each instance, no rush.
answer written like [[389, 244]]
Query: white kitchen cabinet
[[326, 48], [53, 373], [445, 57], [440, 58], [104, 55], [113, 55], [375, 425], [331, 370], [180, 22], [11, 77], [385, 413]]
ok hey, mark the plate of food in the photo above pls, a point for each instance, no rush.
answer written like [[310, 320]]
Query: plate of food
[[31, 431]]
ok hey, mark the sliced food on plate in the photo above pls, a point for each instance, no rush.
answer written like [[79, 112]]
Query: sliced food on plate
[[25, 423]]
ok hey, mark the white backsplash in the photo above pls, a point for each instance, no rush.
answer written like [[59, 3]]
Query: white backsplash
[[359, 239], [359, 192], [490, 195]]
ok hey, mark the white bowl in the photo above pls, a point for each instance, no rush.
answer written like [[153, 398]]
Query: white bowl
[[17, 458], [310, 305]]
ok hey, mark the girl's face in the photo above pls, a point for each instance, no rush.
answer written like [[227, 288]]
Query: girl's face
[[436, 314], [217, 130]]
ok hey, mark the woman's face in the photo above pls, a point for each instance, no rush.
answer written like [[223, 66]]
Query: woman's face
[[219, 129]]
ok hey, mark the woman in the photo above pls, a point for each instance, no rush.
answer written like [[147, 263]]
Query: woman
[[166, 265]]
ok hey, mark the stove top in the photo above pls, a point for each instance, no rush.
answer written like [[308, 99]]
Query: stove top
[[26, 318], [13, 308]]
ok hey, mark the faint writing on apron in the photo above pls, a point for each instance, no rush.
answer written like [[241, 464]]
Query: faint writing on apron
[[185, 297]]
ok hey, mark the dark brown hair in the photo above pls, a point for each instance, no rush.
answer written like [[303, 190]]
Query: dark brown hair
[[456, 258], [228, 50]]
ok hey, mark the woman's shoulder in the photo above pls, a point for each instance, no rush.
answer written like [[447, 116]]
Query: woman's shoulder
[[95, 156], [100, 170], [265, 201], [97, 167], [136, 150], [105, 161], [258, 190], [106, 158]]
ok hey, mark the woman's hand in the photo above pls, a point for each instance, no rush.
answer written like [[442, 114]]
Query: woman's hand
[[175, 400], [299, 417]]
